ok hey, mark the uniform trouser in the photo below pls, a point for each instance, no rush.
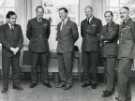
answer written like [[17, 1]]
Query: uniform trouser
[[43, 57], [12, 61], [65, 62], [110, 64], [124, 91], [90, 61]]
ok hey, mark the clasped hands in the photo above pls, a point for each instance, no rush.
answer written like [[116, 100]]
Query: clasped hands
[[14, 50]]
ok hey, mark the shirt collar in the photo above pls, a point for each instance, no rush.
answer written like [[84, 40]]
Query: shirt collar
[[126, 21], [65, 20], [39, 19], [91, 18], [10, 25]]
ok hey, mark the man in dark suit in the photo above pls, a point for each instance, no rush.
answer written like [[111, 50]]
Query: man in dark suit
[[125, 54], [38, 31], [12, 42], [90, 29], [67, 35], [109, 37]]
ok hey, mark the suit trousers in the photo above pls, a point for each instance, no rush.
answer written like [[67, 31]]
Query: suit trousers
[[8, 62], [65, 62], [124, 90], [110, 66], [43, 57], [90, 62]]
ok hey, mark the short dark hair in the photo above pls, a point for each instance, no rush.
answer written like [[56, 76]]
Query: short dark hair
[[10, 13], [125, 7], [39, 7], [111, 13], [63, 8]]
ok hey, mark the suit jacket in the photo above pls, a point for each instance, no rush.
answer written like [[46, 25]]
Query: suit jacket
[[109, 37], [38, 34], [10, 38], [67, 36], [90, 34], [127, 40]]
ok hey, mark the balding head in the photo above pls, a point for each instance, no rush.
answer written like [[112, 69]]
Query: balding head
[[88, 11]]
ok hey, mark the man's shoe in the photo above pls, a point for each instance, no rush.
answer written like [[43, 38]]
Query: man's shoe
[[128, 99], [17, 87], [60, 85], [67, 87], [85, 84], [121, 99], [4, 90], [47, 84], [107, 93], [32, 85]]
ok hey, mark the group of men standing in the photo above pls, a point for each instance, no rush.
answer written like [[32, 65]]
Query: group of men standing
[[95, 38]]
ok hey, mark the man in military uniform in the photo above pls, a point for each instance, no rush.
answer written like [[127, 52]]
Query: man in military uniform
[[90, 29], [125, 54], [109, 36], [12, 42], [38, 31], [67, 35]]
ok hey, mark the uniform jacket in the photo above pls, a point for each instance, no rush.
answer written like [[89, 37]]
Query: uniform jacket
[[110, 36], [38, 34], [90, 34], [126, 39]]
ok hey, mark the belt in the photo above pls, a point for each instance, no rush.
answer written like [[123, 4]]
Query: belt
[[108, 41]]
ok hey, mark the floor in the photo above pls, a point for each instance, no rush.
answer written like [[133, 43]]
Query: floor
[[41, 93]]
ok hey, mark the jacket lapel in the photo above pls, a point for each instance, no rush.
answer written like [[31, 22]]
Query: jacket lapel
[[65, 25], [92, 21], [7, 26]]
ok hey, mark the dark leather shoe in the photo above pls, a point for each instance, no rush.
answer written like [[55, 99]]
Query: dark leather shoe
[[128, 99], [47, 84], [85, 84], [60, 85], [17, 87], [119, 99], [67, 87], [4, 90], [32, 85], [94, 85], [107, 93]]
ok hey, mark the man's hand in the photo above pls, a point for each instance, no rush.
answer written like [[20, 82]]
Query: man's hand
[[17, 49], [14, 50]]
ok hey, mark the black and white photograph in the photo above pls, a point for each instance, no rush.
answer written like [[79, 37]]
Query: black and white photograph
[[67, 50]]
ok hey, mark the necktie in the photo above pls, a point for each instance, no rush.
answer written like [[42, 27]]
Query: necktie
[[12, 27], [62, 24], [88, 21], [123, 24], [40, 20], [107, 27]]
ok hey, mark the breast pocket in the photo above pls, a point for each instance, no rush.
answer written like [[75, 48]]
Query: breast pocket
[[126, 33], [91, 29], [45, 25]]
